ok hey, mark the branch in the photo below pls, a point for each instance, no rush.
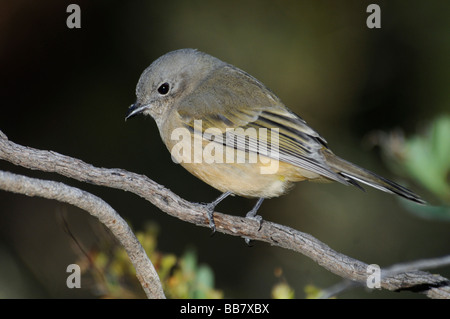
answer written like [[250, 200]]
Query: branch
[[434, 286], [418, 264], [389, 271], [145, 271]]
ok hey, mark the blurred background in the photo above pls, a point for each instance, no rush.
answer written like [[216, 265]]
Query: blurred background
[[67, 90]]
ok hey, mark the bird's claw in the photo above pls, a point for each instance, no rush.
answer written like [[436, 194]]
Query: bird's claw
[[210, 215], [251, 215]]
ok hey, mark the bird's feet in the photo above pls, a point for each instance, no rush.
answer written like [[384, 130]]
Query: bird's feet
[[252, 215], [210, 210], [258, 218], [210, 214]]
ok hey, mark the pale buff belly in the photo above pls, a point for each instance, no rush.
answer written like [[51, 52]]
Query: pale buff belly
[[243, 174]]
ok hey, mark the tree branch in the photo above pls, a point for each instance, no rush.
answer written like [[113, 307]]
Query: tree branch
[[145, 271], [434, 286], [389, 271]]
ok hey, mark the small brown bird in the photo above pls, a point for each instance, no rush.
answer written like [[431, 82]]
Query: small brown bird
[[229, 130]]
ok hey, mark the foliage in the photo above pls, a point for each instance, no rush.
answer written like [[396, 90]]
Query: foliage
[[282, 289], [182, 277], [425, 159]]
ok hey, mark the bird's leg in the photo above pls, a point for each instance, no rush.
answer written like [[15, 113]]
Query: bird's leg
[[252, 215], [210, 209]]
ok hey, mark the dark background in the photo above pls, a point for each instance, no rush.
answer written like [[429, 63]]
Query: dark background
[[67, 90]]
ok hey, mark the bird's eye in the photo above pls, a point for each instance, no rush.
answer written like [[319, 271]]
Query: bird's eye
[[164, 88]]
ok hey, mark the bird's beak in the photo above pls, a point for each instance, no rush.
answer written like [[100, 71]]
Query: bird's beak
[[135, 109]]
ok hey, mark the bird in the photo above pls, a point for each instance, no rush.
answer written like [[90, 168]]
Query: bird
[[199, 100]]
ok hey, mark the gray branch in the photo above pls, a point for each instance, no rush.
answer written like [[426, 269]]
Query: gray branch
[[434, 286], [145, 271]]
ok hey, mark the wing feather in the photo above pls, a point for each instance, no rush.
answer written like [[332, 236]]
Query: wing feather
[[234, 99]]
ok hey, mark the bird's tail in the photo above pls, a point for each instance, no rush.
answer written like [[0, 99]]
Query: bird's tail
[[354, 174]]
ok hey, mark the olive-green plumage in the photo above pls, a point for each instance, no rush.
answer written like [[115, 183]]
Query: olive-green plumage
[[186, 85]]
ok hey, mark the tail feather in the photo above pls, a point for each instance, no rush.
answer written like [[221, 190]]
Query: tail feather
[[355, 174]]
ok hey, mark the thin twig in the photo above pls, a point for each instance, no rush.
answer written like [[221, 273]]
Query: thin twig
[[145, 271], [434, 286], [422, 264], [338, 288]]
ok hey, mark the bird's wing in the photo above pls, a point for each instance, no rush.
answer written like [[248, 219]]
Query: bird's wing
[[239, 106]]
